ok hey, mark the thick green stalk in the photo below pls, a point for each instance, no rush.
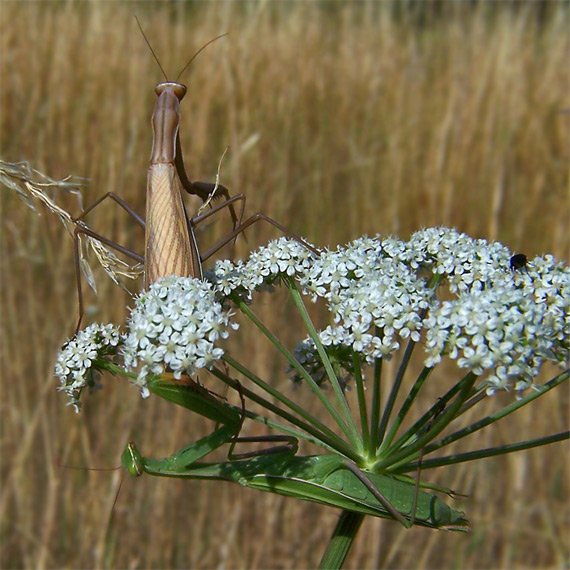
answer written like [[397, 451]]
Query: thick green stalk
[[341, 540]]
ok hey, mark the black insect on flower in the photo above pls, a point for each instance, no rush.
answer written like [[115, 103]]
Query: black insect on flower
[[518, 261]]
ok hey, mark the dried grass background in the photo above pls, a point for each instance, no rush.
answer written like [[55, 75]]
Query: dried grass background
[[342, 119]]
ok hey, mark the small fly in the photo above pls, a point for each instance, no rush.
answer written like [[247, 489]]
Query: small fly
[[518, 262]]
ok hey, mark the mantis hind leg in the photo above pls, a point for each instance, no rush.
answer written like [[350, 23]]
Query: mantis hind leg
[[258, 217], [82, 229], [378, 495], [118, 200]]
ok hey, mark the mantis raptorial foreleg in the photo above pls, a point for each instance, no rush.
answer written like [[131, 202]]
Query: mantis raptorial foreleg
[[193, 396]]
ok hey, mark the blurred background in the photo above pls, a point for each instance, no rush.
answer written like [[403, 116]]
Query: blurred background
[[342, 119]]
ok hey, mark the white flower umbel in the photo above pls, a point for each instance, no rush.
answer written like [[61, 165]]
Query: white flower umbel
[[508, 329], [499, 321], [381, 292], [499, 317], [76, 365], [174, 327], [279, 259]]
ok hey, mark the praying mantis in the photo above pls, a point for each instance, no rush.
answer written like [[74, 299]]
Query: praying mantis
[[327, 479], [170, 241]]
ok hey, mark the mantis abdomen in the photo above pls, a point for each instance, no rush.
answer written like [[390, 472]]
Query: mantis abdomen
[[169, 246]]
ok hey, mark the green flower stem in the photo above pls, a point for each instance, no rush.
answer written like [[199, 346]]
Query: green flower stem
[[403, 455], [361, 402], [341, 540], [104, 364], [412, 433], [479, 394], [407, 405], [376, 401], [293, 361], [322, 435], [276, 394], [488, 452], [393, 394], [533, 395], [352, 432]]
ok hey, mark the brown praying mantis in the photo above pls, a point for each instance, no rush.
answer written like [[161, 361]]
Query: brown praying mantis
[[170, 241]]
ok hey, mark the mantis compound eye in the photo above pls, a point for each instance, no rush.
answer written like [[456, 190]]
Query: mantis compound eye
[[177, 88]]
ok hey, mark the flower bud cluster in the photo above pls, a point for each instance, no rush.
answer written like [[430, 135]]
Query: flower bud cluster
[[76, 365]]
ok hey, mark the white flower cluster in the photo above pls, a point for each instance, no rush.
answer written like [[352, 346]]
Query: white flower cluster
[[508, 330], [375, 298], [282, 258], [500, 321], [469, 264], [496, 320], [77, 362], [174, 327], [366, 285], [226, 277], [371, 287]]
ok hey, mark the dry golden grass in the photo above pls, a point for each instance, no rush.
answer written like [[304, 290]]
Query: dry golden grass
[[341, 120]]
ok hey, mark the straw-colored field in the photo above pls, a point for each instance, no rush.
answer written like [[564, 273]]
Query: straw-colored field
[[342, 119]]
